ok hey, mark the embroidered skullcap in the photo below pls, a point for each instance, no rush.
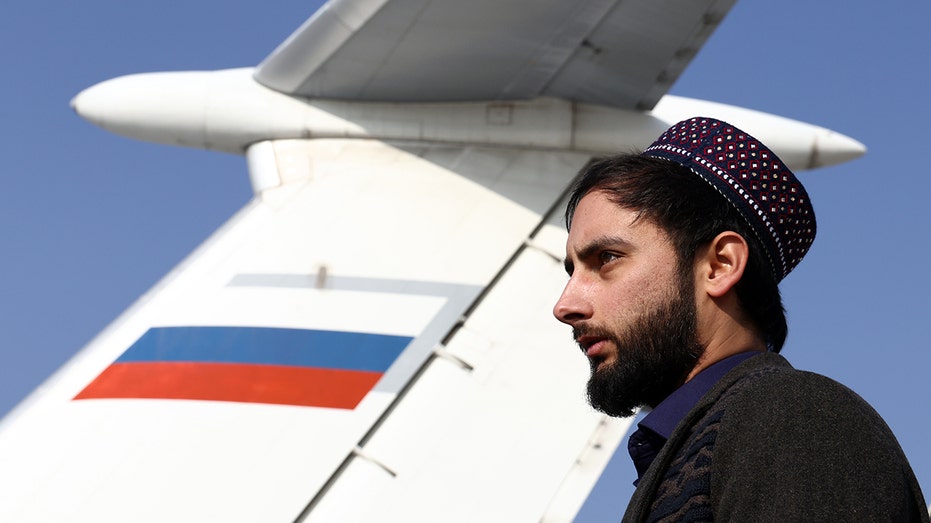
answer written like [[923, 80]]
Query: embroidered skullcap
[[752, 178]]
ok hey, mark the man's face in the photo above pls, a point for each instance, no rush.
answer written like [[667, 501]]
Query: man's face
[[631, 311]]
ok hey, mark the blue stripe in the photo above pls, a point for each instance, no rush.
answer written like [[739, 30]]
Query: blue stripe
[[268, 346]]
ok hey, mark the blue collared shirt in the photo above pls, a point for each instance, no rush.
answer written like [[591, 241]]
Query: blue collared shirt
[[654, 429]]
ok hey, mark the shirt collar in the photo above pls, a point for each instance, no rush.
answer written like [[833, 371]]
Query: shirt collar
[[665, 416]]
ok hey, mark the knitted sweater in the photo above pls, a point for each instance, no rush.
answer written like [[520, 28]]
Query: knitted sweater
[[771, 443]]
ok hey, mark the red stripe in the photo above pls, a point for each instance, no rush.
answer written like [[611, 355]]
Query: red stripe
[[281, 385]]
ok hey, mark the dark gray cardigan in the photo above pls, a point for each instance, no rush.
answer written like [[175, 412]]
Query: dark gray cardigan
[[771, 443]]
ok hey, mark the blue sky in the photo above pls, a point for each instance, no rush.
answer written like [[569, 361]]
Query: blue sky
[[89, 220]]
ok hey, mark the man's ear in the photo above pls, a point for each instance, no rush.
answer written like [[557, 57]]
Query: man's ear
[[722, 263]]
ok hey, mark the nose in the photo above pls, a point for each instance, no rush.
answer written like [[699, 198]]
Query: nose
[[573, 305]]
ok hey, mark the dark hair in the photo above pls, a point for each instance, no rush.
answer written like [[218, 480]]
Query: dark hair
[[692, 213]]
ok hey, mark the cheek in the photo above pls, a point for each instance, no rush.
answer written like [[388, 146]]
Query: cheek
[[639, 292]]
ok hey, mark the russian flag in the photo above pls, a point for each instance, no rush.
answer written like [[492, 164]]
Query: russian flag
[[250, 364]]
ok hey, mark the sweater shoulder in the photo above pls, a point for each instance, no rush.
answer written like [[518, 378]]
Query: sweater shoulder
[[822, 446], [782, 389]]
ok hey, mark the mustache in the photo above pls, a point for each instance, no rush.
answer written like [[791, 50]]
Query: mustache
[[580, 330]]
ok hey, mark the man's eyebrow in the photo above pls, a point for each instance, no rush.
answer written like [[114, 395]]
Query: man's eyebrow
[[600, 243], [595, 246]]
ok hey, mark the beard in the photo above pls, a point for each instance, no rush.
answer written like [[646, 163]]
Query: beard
[[654, 355]]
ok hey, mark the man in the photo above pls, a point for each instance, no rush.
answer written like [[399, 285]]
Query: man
[[674, 257]]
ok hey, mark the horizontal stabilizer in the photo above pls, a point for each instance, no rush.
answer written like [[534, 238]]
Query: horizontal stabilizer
[[618, 54]]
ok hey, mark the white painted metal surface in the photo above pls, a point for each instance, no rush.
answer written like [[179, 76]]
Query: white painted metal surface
[[401, 250]]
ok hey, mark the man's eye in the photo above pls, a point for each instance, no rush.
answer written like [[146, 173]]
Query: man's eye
[[607, 257]]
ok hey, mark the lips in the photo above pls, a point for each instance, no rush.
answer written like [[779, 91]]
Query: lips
[[593, 341], [592, 346]]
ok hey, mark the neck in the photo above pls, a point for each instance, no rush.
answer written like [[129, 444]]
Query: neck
[[724, 334]]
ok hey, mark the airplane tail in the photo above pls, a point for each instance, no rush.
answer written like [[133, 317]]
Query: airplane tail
[[273, 376]]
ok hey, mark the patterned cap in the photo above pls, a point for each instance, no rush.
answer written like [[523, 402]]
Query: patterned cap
[[752, 178]]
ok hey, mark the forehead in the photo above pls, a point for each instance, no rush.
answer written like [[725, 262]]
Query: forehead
[[597, 219]]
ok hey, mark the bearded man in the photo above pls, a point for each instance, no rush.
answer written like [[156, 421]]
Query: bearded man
[[674, 257]]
